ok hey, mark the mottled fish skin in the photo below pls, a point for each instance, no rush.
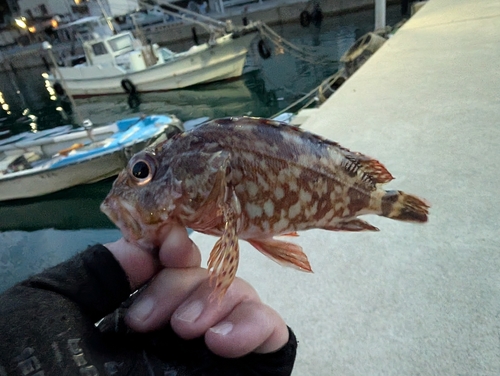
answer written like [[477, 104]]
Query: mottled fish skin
[[253, 179]]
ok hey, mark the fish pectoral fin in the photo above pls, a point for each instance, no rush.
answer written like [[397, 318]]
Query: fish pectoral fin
[[293, 233], [223, 263], [283, 253], [224, 258], [221, 197], [354, 224]]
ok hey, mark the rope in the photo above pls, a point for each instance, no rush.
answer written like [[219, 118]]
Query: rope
[[210, 25], [305, 53], [311, 101]]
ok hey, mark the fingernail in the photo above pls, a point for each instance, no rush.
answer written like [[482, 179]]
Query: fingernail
[[141, 310], [222, 328], [190, 312], [177, 235]]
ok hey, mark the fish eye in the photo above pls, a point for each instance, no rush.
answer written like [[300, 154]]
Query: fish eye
[[142, 168]]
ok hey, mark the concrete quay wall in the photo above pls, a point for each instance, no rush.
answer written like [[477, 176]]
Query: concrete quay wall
[[409, 299], [272, 12]]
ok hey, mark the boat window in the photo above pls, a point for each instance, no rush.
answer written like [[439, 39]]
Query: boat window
[[99, 49], [120, 43]]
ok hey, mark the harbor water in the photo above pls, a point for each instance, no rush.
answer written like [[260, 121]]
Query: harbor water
[[37, 233]]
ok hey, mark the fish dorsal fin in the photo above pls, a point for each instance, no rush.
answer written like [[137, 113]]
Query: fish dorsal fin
[[373, 172]]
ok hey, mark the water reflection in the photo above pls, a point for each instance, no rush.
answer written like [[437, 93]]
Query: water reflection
[[25, 253], [73, 208], [243, 96], [5, 106]]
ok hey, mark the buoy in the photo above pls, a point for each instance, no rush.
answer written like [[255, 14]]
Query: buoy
[[331, 85], [264, 50], [305, 18], [128, 86], [361, 51]]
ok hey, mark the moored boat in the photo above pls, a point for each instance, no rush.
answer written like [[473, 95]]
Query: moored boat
[[30, 174], [121, 63]]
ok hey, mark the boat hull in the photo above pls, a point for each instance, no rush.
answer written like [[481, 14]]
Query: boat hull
[[203, 64], [37, 182]]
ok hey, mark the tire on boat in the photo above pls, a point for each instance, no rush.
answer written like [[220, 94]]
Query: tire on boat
[[128, 86], [133, 100], [305, 18], [264, 50], [361, 51], [58, 88]]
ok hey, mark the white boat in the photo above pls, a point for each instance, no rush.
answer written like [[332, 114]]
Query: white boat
[[10, 142], [81, 164], [50, 141], [121, 63]]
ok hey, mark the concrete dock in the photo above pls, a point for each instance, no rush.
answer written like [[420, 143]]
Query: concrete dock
[[410, 299]]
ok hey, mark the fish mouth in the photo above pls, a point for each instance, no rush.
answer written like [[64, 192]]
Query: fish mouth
[[123, 215]]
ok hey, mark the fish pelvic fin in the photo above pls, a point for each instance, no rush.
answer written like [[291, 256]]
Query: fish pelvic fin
[[284, 253], [404, 207], [354, 224]]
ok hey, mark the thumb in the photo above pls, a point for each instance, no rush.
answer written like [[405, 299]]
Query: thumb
[[177, 250], [139, 265]]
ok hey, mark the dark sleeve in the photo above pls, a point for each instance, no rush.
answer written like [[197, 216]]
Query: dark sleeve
[[47, 327], [93, 280], [47, 322]]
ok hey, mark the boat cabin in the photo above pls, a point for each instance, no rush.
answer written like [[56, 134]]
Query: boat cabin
[[105, 50], [122, 50]]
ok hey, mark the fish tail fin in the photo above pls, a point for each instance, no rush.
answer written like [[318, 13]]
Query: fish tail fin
[[404, 207]]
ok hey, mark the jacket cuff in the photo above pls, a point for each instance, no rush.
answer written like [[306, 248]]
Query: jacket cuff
[[93, 279]]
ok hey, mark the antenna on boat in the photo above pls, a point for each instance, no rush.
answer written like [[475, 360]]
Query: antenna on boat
[[106, 16], [48, 47]]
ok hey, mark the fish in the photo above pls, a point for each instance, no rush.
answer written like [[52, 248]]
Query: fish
[[252, 179]]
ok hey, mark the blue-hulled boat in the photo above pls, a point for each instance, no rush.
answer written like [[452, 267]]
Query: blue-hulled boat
[[32, 174]]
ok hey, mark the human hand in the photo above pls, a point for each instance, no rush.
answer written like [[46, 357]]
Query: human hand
[[180, 294], [48, 320]]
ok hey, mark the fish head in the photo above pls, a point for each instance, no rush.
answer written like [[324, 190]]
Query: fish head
[[143, 199]]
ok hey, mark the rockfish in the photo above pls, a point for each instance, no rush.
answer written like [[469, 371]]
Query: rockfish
[[252, 179]]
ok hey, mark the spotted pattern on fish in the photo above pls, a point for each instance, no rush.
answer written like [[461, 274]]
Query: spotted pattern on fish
[[253, 179]]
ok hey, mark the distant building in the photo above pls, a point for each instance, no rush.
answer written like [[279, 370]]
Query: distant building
[[31, 21], [72, 9]]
